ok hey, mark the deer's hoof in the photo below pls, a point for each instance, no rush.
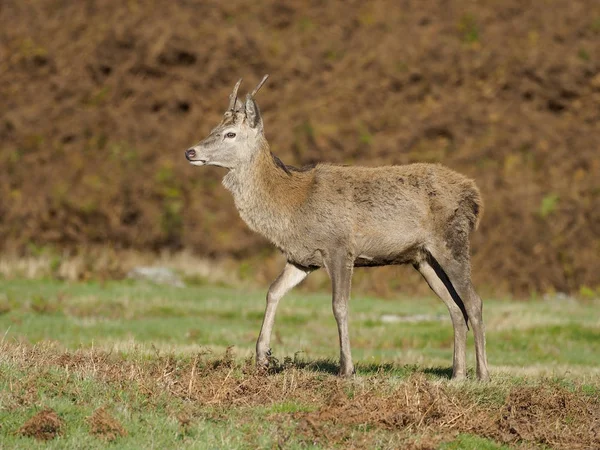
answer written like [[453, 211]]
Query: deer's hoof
[[483, 377], [346, 372], [262, 361]]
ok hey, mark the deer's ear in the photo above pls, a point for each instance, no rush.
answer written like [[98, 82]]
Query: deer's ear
[[253, 113], [239, 106]]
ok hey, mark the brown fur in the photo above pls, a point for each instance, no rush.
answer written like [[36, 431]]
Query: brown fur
[[385, 213], [339, 217]]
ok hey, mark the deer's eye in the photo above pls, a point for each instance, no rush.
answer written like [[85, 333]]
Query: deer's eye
[[230, 135]]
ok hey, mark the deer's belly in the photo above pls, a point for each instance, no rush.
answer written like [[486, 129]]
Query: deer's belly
[[385, 250], [408, 257], [304, 257]]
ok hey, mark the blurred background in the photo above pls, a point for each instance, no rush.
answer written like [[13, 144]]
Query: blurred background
[[99, 100]]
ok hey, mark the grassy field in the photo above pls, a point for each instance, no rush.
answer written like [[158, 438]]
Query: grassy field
[[134, 365]]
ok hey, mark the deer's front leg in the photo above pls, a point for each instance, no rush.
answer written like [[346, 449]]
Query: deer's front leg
[[291, 276], [340, 271]]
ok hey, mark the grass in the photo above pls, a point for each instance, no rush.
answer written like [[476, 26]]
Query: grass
[[145, 366]]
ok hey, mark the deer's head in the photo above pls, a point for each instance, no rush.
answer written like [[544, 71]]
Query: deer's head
[[236, 139]]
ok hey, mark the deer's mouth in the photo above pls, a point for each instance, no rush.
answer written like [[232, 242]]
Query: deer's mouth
[[190, 155]]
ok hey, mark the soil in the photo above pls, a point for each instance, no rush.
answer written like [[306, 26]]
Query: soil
[[100, 100]]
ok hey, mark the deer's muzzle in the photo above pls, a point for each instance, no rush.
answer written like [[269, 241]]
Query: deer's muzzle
[[190, 154]]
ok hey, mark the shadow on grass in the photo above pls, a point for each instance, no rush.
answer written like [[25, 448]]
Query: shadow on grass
[[439, 372], [319, 365], [332, 367]]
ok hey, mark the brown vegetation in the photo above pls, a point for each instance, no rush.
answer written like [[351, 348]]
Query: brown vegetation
[[548, 415], [44, 426], [99, 101], [104, 425], [331, 411]]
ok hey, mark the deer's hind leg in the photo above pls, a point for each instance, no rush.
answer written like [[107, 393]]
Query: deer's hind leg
[[461, 279], [455, 272], [459, 323]]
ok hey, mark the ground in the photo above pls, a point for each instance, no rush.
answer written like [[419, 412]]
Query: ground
[[161, 367]]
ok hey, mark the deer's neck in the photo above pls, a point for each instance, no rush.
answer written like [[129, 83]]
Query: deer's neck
[[268, 197]]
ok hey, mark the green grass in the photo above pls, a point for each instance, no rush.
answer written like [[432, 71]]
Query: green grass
[[470, 442], [547, 335], [116, 344]]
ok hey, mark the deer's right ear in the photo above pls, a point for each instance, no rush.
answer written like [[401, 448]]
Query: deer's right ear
[[253, 113]]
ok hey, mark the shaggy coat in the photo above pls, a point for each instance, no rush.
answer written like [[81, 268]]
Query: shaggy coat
[[340, 217], [380, 215]]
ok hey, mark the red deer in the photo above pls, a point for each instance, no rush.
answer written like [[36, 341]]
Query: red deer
[[339, 217]]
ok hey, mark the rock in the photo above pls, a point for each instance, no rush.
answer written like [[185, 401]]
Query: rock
[[559, 297], [157, 275]]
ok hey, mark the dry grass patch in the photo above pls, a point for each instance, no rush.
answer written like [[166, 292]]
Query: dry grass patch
[[305, 402], [105, 426], [550, 415], [44, 426]]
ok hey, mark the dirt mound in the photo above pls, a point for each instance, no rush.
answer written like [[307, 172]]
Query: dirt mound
[[44, 426], [419, 406], [575, 421], [99, 101], [541, 415], [105, 426]]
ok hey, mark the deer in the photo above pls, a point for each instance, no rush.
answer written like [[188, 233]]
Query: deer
[[341, 217]]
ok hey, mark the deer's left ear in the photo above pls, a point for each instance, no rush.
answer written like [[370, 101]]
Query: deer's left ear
[[253, 113]]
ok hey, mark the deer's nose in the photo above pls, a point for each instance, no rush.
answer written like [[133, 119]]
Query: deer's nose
[[190, 153]]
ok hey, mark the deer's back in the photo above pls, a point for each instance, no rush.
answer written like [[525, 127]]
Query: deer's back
[[415, 190], [387, 213]]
